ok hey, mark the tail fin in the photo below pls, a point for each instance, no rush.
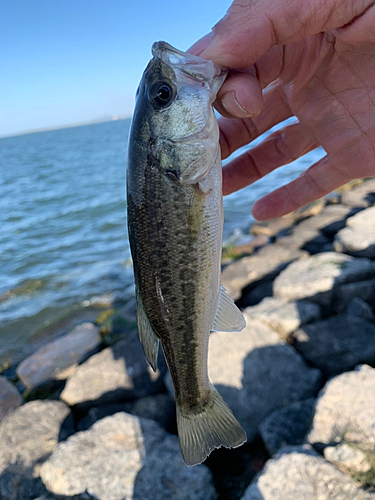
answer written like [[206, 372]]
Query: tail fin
[[213, 426]]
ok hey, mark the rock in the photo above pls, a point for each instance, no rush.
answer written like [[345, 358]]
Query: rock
[[59, 358], [312, 234], [120, 372], [317, 276], [332, 198], [46, 497], [282, 316], [343, 296], [334, 218], [347, 457], [287, 426], [160, 407], [309, 239], [125, 457], [265, 264], [361, 309], [317, 244], [330, 220], [337, 343], [93, 415], [272, 227], [27, 437], [358, 237], [164, 475], [248, 245], [299, 473], [256, 294], [360, 196], [257, 373], [10, 398], [313, 208], [345, 410]]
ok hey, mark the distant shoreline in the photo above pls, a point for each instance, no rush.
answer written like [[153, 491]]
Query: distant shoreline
[[71, 125]]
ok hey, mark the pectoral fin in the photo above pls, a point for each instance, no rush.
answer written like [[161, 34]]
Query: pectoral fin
[[228, 317], [148, 337]]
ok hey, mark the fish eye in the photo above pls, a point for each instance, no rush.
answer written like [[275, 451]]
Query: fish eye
[[161, 94]]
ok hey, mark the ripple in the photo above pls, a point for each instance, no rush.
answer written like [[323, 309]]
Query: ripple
[[63, 234]]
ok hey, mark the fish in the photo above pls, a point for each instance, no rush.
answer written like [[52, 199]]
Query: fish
[[175, 223]]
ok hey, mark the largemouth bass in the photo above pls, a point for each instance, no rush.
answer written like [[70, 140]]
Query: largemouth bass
[[175, 220]]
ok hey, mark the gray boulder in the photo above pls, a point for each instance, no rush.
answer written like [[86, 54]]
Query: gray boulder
[[299, 473], [265, 264], [120, 372], [27, 437], [282, 316], [256, 294], [337, 343], [358, 237], [330, 220], [317, 214], [257, 373], [343, 295], [287, 426], [361, 309], [124, 457], [362, 195], [245, 246], [345, 411], [46, 497], [10, 398], [274, 226], [305, 237], [59, 358], [333, 198], [316, 277], [159, 407], [348, 458]]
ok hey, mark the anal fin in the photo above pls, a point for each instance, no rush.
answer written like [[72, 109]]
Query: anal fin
[[149, 339], [228, 317]]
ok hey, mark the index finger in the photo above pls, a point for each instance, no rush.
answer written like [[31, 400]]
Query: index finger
[[251, 27]]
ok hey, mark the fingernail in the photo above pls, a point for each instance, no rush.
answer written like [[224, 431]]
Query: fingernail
[[259, 212], [232, 106]]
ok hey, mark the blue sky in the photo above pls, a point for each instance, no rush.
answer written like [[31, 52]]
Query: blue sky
[[70, 61]]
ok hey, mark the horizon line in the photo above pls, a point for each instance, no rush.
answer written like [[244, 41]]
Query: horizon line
[[70, 125]]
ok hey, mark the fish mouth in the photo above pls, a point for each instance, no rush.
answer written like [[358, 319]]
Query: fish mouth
[[160, 48], [193, 66]]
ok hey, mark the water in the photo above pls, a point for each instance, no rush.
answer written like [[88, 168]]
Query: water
[[63, 236]]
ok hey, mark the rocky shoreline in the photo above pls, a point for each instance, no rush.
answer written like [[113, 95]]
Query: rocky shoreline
[[85, 417]]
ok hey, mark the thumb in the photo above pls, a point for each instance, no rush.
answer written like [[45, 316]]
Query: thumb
[[236, 41], [251, 27]]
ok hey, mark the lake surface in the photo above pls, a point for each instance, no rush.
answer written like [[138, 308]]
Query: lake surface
[[63, 227]]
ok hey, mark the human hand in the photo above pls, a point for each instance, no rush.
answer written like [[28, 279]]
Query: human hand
[[316, 61]]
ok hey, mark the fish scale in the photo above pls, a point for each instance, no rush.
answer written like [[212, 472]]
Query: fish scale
[[177, 272]]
